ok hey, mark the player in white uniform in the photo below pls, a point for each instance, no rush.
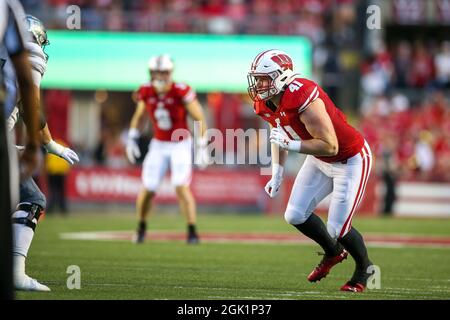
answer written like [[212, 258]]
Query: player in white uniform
[[12, 47], [32, 201]]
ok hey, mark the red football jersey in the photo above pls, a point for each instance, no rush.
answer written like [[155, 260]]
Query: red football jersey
[[167, 111], [296, 98]]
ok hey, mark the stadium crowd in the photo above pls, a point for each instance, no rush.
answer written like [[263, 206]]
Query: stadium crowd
[[405, 108], [395, 115], [213, 16], [417, 137], [407, 65]]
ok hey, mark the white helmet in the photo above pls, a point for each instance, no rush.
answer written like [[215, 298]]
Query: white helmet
[[160, 63], [277, 65]]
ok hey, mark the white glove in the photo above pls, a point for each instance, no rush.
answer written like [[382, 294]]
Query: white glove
[[280, 138], [273, 186], [133, 151], [66, 153], [201, 156]]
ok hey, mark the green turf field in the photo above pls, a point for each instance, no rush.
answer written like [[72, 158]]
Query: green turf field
[[174, 270]]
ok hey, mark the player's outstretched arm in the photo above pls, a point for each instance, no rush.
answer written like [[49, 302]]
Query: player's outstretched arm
[[138, 115], [133, 151], [195, 111], [278, 159], [55, 148]]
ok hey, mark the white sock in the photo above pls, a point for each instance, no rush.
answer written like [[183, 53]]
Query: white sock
[[19, 265], [22, 237]]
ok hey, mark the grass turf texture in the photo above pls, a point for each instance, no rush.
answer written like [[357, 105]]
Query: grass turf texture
[[174, 270]]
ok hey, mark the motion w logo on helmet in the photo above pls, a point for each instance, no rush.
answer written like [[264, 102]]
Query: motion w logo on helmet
[[283, 60]]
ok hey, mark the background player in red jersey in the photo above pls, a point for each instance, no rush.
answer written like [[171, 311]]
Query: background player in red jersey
[[167, 103], [305, 120]]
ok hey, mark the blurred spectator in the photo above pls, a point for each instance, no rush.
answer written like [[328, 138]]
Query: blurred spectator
[[374, 80], [442, 62], [423, 153], [111, 149], [326, 60], [389, 172], [344, 17], [419, 134], [310, 24], [422, 70], [406, 67], [399, 103], [402, 64], [262, 20], [377, 72]]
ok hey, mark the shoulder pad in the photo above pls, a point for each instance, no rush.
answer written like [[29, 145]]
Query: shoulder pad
[[299, 94]]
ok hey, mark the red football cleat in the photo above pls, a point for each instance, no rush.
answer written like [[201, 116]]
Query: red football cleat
[[357, 287], [325, 266]]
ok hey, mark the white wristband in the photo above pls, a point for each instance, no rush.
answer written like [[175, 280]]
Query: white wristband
[[277, 170], [54, 147], [133, 133], [295, 145]]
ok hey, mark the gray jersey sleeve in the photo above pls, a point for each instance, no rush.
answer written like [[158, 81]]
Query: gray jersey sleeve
[[15, 36], [38, 59], [9, 82], [38, 64], [11, 43]]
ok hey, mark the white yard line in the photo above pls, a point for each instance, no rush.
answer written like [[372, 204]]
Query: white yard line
[[222, 238]]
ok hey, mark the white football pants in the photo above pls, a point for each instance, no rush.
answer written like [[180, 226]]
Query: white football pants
[[162, 155], [346, 181]]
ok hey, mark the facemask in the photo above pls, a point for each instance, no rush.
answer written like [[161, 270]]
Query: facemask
[[159, 84]]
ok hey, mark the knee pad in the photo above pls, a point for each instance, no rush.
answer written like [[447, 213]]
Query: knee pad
[[27, 214], [294, 215]]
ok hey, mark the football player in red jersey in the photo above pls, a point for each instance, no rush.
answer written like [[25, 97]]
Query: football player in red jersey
[[303, 119], [167, 103]]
